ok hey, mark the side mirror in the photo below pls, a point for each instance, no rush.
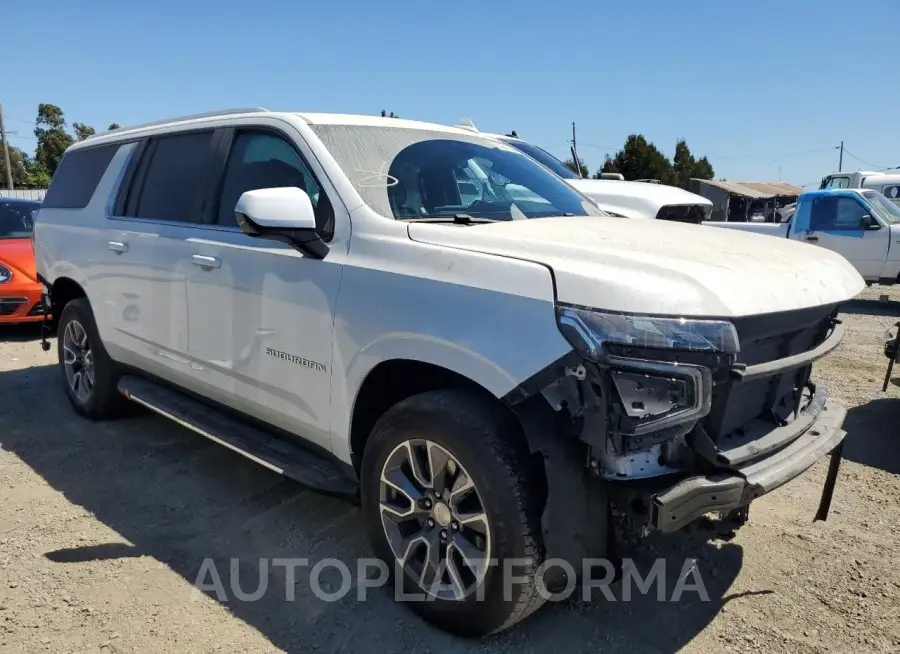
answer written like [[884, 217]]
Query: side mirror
[[283, 214], [867, 222]]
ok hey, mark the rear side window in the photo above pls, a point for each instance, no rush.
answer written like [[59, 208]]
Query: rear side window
[[170, 180], [77, 177]]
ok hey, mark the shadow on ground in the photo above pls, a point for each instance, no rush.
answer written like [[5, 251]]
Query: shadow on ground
[[183, 500], [872, 438], [867, 307], [20, 333]]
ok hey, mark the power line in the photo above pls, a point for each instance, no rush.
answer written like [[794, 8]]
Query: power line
[[774, 157], [846, 151]]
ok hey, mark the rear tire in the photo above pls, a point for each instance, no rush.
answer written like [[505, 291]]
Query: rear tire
[[89, 376], [446, 438]]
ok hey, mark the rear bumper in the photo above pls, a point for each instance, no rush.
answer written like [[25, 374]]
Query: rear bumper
[[736, 487]]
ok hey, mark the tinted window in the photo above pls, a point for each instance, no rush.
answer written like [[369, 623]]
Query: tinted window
[[17, 219], [836, 213], [543, 157], [892, 192], [76, 179], [176, 172], [264, 160]]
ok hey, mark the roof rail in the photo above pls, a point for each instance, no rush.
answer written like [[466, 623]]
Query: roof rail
[[178, 119]]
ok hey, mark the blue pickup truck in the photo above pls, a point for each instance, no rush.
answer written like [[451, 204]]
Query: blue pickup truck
[[860, 224]]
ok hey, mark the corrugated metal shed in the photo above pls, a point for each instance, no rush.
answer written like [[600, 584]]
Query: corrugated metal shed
[[753, 189], [24, 194]]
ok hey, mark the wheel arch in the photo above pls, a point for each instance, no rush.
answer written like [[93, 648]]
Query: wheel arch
[[393, 380], [62, 291]]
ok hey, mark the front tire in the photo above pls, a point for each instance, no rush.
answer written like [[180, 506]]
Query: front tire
[[89, 376], [452, 508]]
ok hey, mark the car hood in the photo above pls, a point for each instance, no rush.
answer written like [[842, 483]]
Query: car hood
[[662, 267], [635, 199], [17, 253]]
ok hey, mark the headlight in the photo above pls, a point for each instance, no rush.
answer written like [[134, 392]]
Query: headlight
[[5, 274], [588, 331], [654, 395]]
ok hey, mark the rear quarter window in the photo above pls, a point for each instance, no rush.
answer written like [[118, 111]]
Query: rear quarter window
[[77, 177]]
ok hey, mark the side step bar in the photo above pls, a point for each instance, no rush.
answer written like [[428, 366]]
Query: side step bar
[[278, 454]]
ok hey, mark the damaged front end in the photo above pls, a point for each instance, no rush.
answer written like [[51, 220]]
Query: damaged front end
[[677, 418]]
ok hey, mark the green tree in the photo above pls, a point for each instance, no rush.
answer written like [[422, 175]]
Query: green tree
[[685, 166], [83, 131], [19, 164], [52, 138], [639, 159], [570, 164], [113, 126]]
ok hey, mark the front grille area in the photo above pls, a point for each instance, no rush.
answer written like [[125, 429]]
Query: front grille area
[[683, 213], [741, 407], [9, 305]]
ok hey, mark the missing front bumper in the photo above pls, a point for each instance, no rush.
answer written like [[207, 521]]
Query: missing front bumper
[[694, 497]]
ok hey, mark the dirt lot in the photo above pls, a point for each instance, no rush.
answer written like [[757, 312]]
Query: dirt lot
[[104, 527]]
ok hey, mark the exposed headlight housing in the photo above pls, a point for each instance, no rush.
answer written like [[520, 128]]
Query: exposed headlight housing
[[588, 331], [654, 395], [6, 274]]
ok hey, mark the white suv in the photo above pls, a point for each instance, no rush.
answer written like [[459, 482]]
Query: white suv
[[495, 377]]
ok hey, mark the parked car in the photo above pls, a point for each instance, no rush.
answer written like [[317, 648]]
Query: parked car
[[645, 198], [489, 375], [886, 183], [861, 225], [20, 290]]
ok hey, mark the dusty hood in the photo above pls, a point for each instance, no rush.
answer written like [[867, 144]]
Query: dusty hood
[[635, 199], [662, 267]]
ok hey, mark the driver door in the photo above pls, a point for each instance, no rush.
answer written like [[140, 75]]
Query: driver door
[[835, 224]]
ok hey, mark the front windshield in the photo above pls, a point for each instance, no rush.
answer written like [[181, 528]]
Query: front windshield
[[419, 173], [543, 157], [887, 210], [16, 219]]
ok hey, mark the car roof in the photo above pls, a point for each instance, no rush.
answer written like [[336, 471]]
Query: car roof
[[122, 133], [820, 192], [6, 200]]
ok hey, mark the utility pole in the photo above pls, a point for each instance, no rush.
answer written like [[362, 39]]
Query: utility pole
[[575, 158], [9, 182], [841, 158]]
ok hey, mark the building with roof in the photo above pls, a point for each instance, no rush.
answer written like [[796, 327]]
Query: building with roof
[[743, 201]]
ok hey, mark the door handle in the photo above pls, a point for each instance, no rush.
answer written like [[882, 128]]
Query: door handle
[[118, 246], [812, 239], [205, 262]]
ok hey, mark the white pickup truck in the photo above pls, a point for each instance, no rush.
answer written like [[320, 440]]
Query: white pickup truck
[[860, 224], [628, 199]]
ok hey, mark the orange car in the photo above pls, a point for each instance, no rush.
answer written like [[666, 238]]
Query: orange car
[[20, 291]]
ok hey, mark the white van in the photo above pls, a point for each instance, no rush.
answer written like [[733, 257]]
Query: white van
[[489, 375], [886, 183]]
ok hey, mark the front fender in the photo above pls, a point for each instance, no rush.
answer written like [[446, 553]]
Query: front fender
[[494, 339]]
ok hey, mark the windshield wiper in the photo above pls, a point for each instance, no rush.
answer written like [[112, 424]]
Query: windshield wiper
[[457, 218]]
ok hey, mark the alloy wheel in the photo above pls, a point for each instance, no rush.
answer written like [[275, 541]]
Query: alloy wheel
[[434, 519], [78, 361]]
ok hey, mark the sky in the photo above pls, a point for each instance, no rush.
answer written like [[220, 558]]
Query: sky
[[766, 89]]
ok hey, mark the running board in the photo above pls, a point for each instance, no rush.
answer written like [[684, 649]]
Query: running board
[[278, 454]]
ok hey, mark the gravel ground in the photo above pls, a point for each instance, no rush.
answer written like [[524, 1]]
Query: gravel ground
[[104, 528]]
